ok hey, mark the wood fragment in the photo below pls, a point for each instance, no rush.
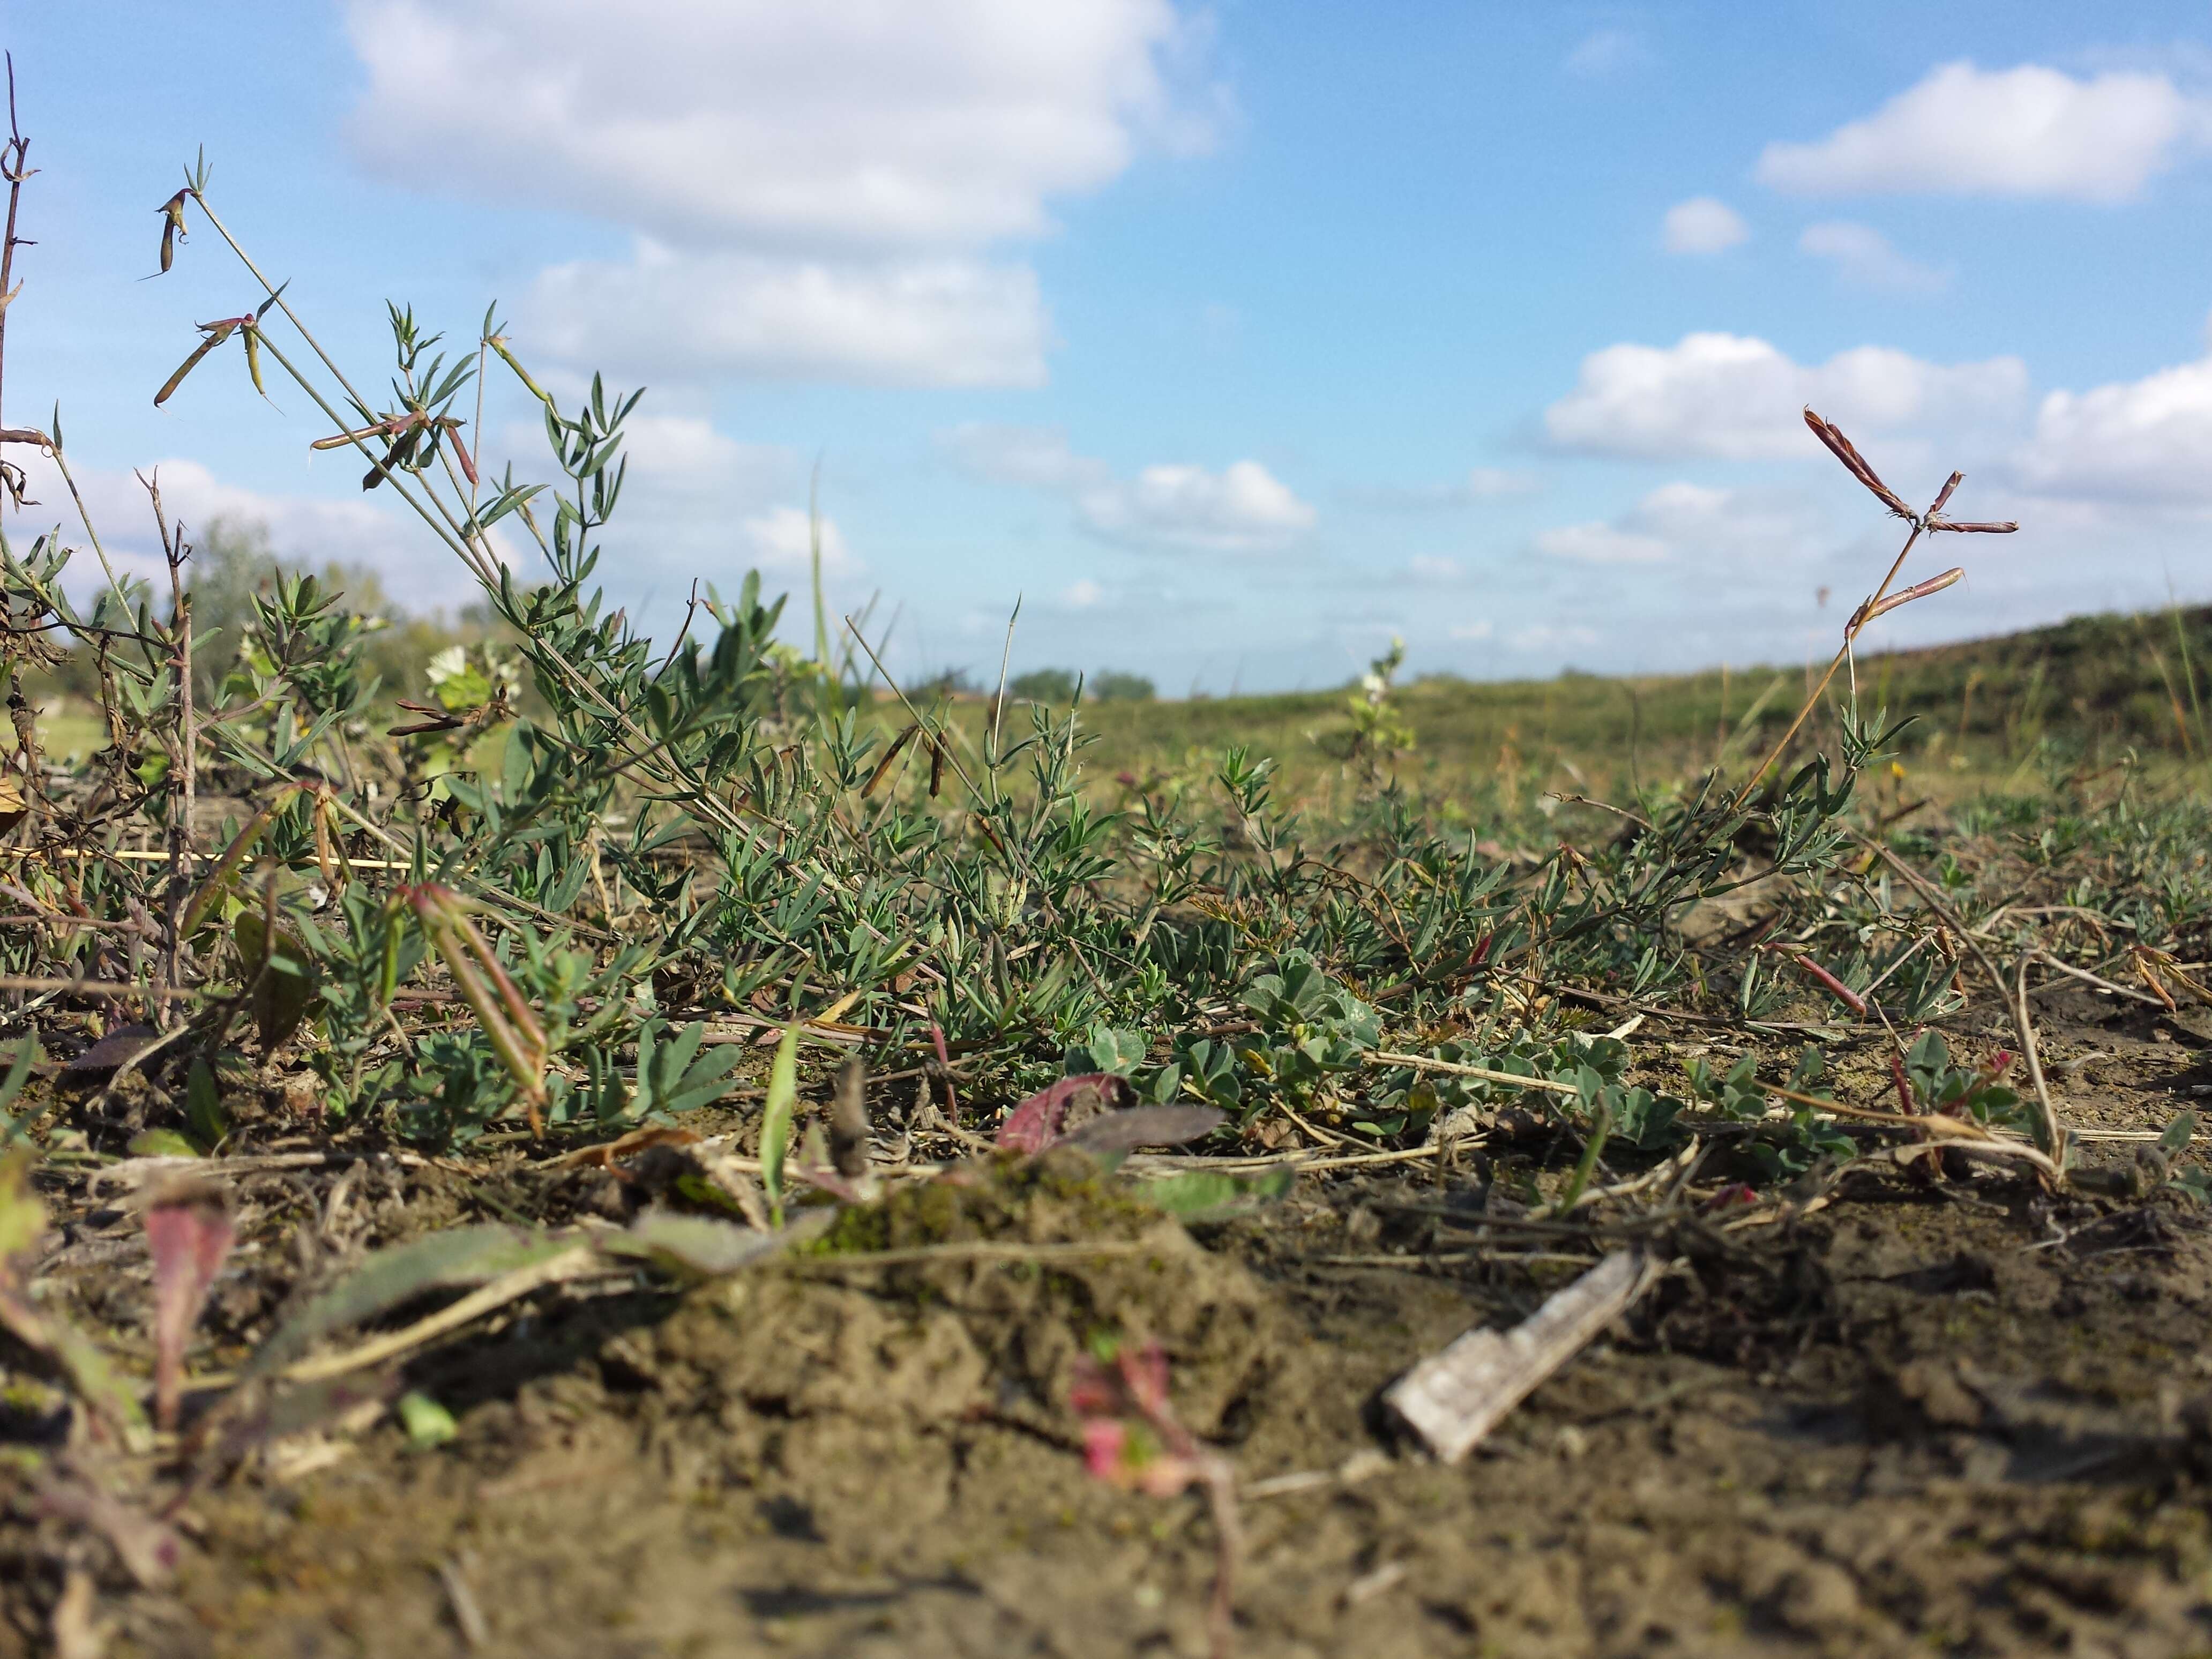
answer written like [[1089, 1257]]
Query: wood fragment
[[1453, 1399]]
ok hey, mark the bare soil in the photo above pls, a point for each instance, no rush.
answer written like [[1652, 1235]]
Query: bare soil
[[1902, 1415]]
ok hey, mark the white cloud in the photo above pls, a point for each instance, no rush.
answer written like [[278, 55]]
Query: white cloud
[[1082, 594], [1243, 508], [1480, 629], [1597, 543], [2136, 442], [1703, 225], [685, 452], [417, 571], [781, 540], [1434, 568], [936, 321], [931, 124], [1689, 521], [1037, 457], [819, 190], [1863, 255], [1603, 52], [1736, 398], [2028, 132]]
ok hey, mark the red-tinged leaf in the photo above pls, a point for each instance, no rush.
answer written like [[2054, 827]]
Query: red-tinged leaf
[[1144, 1374], [188, 1229], [1904, 1103], [147, 1549], [1841, 448], [1094, 1391], [890, 755], [1047, 1117], [1889, 601], [1105, 1444], [461, 454], [1127, 1455]]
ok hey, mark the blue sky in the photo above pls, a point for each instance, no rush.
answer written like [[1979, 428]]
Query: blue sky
[[1234, 340]]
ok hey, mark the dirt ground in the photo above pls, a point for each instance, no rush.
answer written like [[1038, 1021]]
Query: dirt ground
[[1903, 1415]]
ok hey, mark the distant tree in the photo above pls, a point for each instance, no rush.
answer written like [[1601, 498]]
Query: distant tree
[[944, 682], [231, 563], [1052, 685], [1112, 685]]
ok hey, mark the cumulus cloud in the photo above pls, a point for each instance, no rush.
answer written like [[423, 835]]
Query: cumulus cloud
[[685, 452], [1598, 542], [1864, 256], [1082, 594], [2027, 131], [1243, 508], [1704, 224], [2144, 441], [306, 531], [819, 190], [782, 541], [1683, 520], [670, 314], [1736, 398]]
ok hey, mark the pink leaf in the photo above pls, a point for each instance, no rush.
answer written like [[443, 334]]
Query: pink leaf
[[1095, 1391], [188, 1229], [1042, 1119], [1105, 1441], [1144, 1372]]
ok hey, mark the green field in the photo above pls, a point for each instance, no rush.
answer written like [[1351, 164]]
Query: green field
[[2017, 712]]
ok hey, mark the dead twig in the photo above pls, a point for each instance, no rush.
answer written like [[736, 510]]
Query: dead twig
[[1453, 1399]]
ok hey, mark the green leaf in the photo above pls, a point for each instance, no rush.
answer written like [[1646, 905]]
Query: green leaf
[[700, 1245], [775, 1120], [283, 994], [1212, 1195], [160, 1143], [454, 1260], [204, 1110], [26, 1056], [2177, 1135], [428, 1425]]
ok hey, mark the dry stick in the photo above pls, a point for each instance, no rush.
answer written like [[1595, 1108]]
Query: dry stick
[[999, 702], [12, 168], [174, 550], [569, 1264], [1453, 1399], [88, 987], [2025, 1021], [1422, 1063], [2088, 978], [2050, 1134]]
